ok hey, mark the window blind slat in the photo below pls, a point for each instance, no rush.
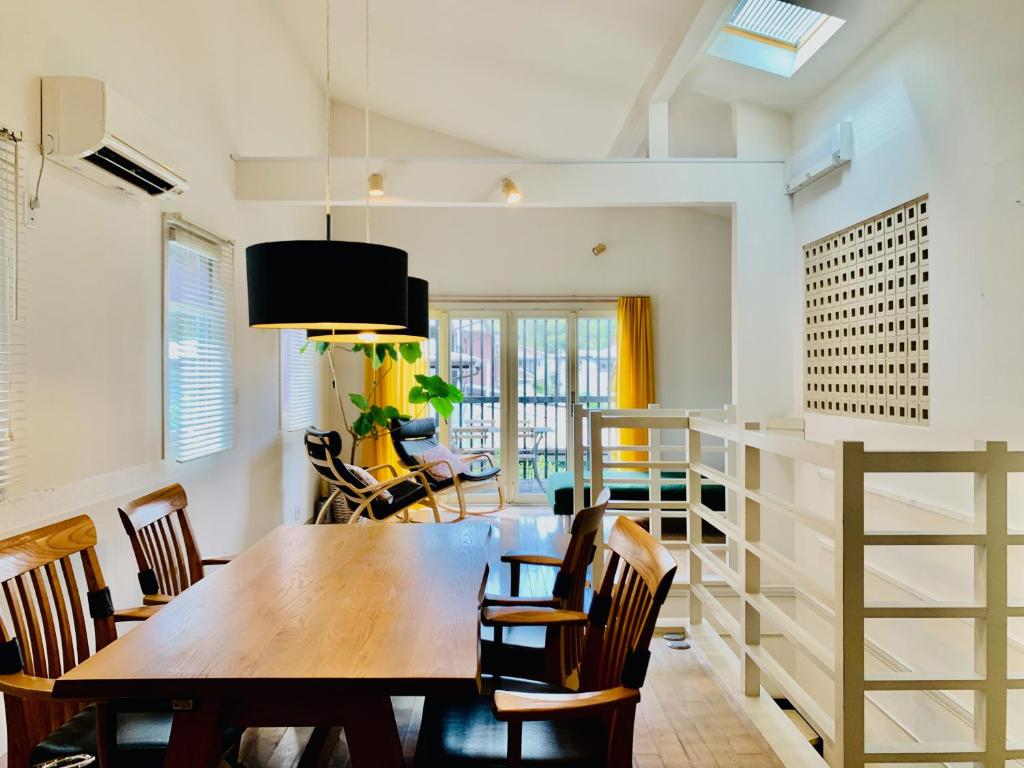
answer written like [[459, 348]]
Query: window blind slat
[[198, 371], [297, 390], [11, 352]]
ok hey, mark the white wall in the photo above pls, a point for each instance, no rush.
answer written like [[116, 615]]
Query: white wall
[[220, 77], [699, 126], [937, 107], [546, 252], [395, 138]]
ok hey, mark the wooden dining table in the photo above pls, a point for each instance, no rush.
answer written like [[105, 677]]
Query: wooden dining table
[[312, 626]]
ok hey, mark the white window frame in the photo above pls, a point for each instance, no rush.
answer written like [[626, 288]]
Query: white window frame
[[222, 249], [298, 381]]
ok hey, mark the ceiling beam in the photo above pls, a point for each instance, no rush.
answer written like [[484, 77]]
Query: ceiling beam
[[473, 182], [692, 35]]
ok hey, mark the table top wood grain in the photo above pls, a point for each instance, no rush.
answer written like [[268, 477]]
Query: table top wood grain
[[308, 610]]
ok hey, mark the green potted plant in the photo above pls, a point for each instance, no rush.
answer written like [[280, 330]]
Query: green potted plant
[[375, 420]]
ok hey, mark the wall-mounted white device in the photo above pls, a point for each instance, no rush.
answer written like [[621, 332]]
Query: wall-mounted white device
[[90, 128], [827, 152]]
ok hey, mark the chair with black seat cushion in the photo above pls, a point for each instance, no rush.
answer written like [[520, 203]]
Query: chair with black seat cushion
[[552, 653], [48, 637], [419, 448], [365, 496], [519, 723]]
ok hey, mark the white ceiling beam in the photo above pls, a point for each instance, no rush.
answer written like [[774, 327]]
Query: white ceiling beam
[[691, 36], [471, 182]]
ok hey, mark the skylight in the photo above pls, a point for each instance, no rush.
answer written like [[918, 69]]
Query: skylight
[[774, 36]]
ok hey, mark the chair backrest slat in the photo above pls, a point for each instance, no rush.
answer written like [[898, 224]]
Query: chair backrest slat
[[46, 617], [162, 538], [67, 643], [636, 582], [77, 614]]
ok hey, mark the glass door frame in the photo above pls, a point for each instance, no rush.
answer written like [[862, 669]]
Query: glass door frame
[[508, 314]]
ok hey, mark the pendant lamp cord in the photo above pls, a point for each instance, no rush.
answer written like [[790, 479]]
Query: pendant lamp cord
[[327, 123], [366, 120]]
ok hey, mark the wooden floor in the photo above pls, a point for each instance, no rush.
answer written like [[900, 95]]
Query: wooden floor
[[684, 719]]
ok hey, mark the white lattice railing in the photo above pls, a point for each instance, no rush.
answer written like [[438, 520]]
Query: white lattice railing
[[698, 442]]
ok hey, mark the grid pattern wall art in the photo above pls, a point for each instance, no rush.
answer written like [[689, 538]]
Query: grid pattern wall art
[[866, 314]]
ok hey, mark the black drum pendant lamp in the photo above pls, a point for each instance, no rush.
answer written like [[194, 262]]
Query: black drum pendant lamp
[[416, 329], [327, 285]]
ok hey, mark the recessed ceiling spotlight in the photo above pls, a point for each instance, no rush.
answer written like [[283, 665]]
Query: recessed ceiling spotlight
[[598, 249], [511, 191], [376, 184]]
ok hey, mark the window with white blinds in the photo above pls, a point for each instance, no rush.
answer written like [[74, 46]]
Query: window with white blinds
[[296, 380], [10, 344], [199, 395]]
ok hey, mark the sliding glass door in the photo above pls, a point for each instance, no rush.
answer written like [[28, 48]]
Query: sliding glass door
[[519, 370]]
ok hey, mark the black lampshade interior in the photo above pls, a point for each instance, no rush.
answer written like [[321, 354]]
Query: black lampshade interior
[[416, 329], [327, 285]]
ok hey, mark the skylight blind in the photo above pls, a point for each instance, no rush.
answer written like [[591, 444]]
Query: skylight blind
[[776, 20], [296, 380], [11, 347], [198, 382]]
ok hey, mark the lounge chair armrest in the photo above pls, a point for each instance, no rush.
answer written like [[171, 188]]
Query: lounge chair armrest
[[26, 686], [471, 457], [516, 706], [156, 599], [222, 560], [515, 616], [389, 467], [141, 613], [529, 558], [522, 602]]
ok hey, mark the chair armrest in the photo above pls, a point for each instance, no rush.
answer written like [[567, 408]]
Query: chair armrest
[[516, 706], [141, 613], [222, 560], [26, 686], [529, 558], [511, 600], [156, 599], [389, 467], [511, 616], [469, 458]]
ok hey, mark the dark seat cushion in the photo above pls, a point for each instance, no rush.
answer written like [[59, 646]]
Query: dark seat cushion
[[142, 739], [402, 495], [486, 473], [463, 732]]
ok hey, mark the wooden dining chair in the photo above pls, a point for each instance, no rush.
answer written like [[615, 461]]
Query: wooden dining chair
[[45, 634], [551, 653], [531, 724], [164, 544]]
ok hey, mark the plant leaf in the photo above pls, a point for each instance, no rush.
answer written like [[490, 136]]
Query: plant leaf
[[418, 396], [358, 401], [363, 425], [410, 351], [442, 406], [322, 347]]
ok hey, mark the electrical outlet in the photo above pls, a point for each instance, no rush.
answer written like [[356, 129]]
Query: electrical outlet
[[30, 215]]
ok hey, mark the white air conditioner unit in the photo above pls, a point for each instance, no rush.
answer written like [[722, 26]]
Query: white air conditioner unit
[[823, 155], [89, 128]]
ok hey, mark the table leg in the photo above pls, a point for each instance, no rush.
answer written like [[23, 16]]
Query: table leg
[[372, 734], [319, 748], [195, 737]]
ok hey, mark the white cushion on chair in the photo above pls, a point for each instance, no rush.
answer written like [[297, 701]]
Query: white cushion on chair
[[442, 471], [367, 479]]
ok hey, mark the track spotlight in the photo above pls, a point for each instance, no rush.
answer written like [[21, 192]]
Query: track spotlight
[[376, 183], [511, 191], [598, 249]]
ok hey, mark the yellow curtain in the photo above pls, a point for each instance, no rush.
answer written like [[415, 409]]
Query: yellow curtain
[[392, 389], [634, 368]]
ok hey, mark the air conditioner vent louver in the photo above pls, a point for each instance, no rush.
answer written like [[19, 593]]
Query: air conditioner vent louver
[[125, 169]]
